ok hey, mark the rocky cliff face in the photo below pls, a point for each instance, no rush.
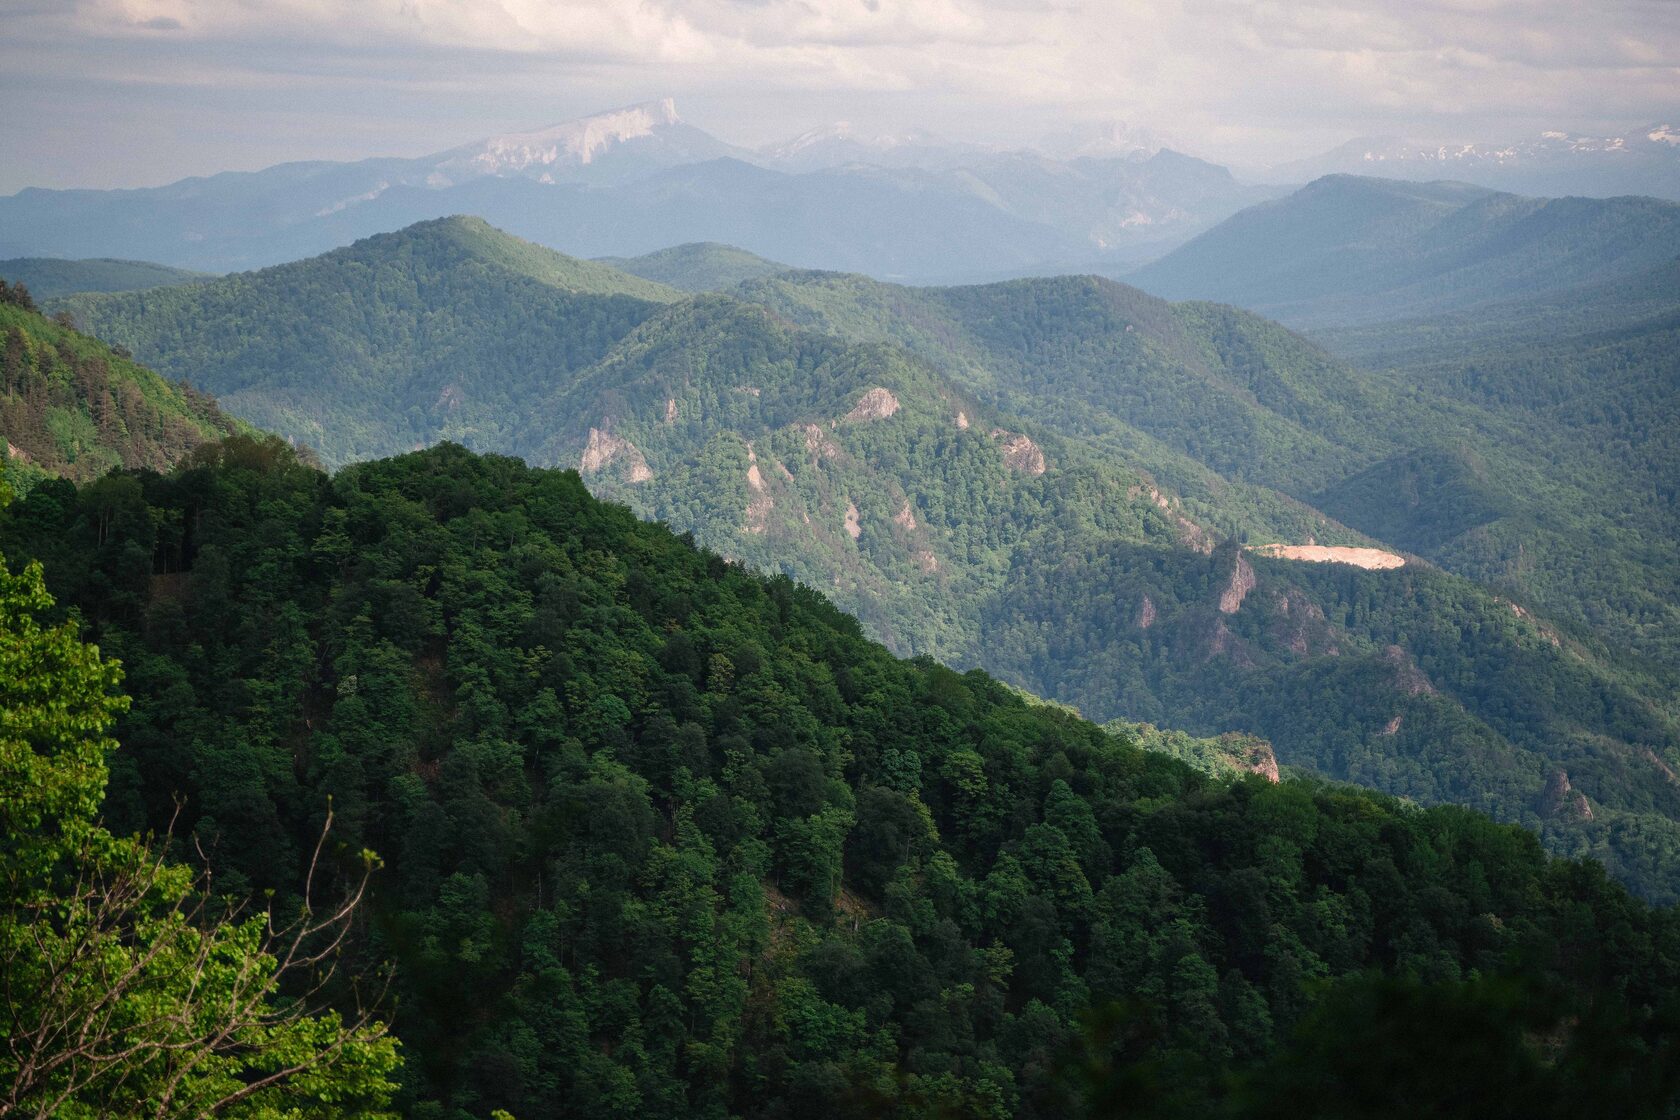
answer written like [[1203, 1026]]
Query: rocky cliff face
[[1561, 801]]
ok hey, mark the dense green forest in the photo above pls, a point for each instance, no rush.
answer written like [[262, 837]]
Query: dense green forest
[[1572, 514], [449, 330], [1014, 476], [72, 407], [1083, 584], [129, 985], [663, 837]]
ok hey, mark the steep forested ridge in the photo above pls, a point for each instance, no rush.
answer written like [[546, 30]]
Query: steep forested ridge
[[1571, 515], [1031, 477], [71, 406], [667, 838]]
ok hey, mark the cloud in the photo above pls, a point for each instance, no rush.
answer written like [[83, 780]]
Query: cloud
[[1233, 77]]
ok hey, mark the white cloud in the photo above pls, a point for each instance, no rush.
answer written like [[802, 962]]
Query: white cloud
[[1240, 78]]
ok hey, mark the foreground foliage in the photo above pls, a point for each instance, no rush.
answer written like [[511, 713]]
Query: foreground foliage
[[669, 839], [126, 989]]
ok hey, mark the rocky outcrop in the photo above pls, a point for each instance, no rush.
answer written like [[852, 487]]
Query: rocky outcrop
[[905, 519], [1146, 613], [1251, 754], [605, 450], [1190, 534], [1301, 626], [962, 420], [1242, 582], [760, 505], [670, 410], [1020, 453], [854, 528], [1563, 802], [817, 443], [875, 404]]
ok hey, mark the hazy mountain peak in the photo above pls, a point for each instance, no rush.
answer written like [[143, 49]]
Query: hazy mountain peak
[[841, 142], [1553, 162], [1102, 140], [563, 150], [577, 141]]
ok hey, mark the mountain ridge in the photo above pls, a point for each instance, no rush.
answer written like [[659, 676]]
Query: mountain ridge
[[982, 473]]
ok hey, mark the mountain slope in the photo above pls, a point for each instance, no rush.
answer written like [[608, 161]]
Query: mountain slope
[[1538, 337], [71, 407], [938, 460], [1346, 250], [397, 341], [663, 838], [1469, 480]]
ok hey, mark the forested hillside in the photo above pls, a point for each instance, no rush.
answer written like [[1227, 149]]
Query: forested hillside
[[71, 406], [667, 838], [447, 330], [1571, 513], [1032, 478]]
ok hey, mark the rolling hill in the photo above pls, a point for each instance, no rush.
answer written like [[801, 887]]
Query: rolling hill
[[393, 343]]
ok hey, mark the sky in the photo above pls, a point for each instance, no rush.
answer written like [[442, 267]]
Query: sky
[[113, 93]]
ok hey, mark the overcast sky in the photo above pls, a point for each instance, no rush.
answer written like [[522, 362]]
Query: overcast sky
[[103, 93]]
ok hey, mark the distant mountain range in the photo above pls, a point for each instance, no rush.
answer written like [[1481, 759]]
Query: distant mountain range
[[1642, 161], [1346, 250], [639, 179]]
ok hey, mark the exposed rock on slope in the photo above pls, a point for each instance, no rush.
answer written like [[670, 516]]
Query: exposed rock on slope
[[1242, 582], [605, 450], [876, 404], [1020, 453]]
